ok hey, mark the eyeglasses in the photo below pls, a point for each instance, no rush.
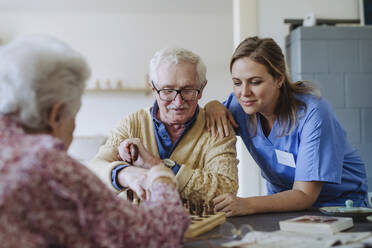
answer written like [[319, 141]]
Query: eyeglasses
[[171, 94], [229, 231]]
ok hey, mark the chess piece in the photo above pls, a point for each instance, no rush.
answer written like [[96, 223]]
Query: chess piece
[[188, 206], [211, 208], [192, 208], [199, 209], [203, 218], [205, 209], [185, 203], [130, 195], [133, 149]]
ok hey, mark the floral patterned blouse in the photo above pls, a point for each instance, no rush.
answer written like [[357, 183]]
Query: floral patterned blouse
[[48, 199]]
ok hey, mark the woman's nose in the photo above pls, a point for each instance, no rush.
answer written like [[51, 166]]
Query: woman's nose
[[246, 90]]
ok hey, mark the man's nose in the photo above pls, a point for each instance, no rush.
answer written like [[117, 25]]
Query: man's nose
[[178, 101]]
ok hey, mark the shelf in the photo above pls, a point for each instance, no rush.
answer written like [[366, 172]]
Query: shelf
[[147, 91], [110, 86]]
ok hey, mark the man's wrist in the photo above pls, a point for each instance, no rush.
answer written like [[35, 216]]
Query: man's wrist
[[171, 164], [122, 176], [155, 162], [115, 176]]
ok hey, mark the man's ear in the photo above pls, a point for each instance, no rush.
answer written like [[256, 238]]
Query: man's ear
[[202, 89], [153, 91], [149, 85], [54, 117]]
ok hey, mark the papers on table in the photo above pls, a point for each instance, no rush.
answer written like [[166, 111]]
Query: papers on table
[[285, 239]]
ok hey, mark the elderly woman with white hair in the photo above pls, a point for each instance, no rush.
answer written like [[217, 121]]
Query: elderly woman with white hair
[[48, 199]]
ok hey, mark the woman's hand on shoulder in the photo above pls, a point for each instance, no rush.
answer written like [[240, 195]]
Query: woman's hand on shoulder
[[217, 117]]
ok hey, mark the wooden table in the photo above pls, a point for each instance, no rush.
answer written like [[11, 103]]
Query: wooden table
[[265, 222]]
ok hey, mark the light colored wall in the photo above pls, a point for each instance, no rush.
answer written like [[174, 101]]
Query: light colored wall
[[271, 14], [244, 19], [245, 25], [118, 37], [119, 42]]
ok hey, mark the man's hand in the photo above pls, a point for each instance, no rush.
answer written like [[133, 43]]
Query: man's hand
[[135, 178], [145, 158], [231, 204]]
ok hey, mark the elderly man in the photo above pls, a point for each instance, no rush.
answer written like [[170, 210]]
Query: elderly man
[[171, 132]]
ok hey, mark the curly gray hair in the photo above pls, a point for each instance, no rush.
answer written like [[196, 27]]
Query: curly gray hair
[[36, 72]]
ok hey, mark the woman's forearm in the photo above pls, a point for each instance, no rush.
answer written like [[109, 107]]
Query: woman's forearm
[[290, 200]]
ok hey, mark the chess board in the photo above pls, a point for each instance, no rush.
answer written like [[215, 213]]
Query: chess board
[[204, 223], [203, 216]]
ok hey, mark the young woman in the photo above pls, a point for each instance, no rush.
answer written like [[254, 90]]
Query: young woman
[[291, 132]]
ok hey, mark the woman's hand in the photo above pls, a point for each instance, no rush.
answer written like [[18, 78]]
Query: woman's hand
[[135, 178], [302, 196], [217, 117], [231, 205], [144, 160], [160, 174]]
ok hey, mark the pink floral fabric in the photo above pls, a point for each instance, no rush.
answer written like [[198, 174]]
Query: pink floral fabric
[[48, 199]]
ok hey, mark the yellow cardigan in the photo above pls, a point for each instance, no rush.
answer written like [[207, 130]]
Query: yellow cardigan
[[208, 164]]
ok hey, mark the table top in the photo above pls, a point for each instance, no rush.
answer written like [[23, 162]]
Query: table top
[[266, 222]]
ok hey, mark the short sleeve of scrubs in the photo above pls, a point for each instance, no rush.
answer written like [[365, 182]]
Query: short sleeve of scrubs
[[320, 153], [236, 110]]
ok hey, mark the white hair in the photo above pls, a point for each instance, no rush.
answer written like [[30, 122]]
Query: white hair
[[176, 56], [36, 72]]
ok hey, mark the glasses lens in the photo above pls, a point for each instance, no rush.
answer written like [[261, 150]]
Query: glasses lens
[[167, 95], [228, 231], [245, 229], [170, 95], [189, 95]]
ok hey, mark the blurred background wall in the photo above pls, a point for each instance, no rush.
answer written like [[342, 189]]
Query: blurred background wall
[[118, 38]]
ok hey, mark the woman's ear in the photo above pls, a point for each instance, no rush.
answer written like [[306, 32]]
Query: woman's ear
[[54, 117], [280, 81]]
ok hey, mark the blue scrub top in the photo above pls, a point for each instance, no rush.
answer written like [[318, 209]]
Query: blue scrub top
[[320, 150]]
